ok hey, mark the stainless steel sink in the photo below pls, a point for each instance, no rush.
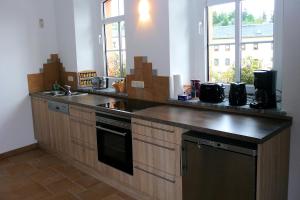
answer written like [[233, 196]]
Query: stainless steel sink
[[62, 93]]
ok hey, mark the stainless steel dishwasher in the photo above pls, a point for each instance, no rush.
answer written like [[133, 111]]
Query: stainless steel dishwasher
[[215, 168]]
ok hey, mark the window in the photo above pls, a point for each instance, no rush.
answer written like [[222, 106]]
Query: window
[[243, 47], [216, 47], [114, 38], [255, 46], [234, 24], [227, 61], [227, 47], [216, 62]]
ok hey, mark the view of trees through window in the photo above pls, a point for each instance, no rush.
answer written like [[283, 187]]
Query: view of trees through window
[[256, 43], [114, 32]]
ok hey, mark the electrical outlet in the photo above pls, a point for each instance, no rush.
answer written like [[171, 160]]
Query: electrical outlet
[[70, 78], [137, 84]]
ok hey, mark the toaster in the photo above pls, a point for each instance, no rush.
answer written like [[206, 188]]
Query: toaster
[[212, 92]]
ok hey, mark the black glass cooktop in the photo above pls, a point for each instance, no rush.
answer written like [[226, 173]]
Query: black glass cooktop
[[127, 105]]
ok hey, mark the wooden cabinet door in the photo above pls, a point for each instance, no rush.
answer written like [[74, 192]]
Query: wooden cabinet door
[[59, 126], [83, 141], [156, 159], [41, 121]]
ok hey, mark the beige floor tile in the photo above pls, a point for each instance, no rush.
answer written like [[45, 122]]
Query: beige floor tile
[[64, 196], [45, 162], [37, 175], [113, 197], [63, 186], [27, 156], [9, 183], [46, 176], [30, 191], [86, 181], [22, 169], [125, 197], [97, 192], [4, 163], [69, 171]]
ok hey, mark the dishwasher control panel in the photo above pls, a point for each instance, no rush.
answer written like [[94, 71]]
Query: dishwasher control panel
[[58, 107]]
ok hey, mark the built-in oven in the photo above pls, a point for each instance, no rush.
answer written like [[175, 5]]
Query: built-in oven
[[114, 141]]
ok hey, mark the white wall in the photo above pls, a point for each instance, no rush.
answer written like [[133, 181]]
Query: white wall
[[186, 40], [87, 30], [24, 48], [291, 97], [151, 39], [65, 30]]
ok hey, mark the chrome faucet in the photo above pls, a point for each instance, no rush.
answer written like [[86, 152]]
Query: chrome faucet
[[67, 89]]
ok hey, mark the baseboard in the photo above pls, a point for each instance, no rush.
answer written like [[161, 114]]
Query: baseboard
[[18, 151]]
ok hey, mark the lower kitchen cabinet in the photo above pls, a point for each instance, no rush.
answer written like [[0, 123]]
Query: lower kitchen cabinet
[[156, 159], [82, 153], [59, 127], [83, 135], [41, 121]]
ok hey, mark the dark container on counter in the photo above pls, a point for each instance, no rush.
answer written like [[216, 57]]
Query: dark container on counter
[[237, 94], [195, 88]]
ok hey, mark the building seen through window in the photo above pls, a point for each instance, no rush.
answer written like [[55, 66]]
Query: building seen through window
[[255, 42]]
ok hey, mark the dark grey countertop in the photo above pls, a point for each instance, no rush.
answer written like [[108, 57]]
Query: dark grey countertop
[[107, 91], [254, 129], [229, 125]]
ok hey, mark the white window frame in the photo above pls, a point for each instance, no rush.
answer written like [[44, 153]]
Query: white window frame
[[277, 39], [110, 20]]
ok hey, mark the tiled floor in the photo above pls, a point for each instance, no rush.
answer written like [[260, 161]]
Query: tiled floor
[[37, 175]]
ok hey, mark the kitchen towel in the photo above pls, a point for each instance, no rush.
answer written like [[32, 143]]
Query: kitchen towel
[[177, 85]]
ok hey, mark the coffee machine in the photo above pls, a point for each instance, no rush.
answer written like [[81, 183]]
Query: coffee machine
[[265, 89]]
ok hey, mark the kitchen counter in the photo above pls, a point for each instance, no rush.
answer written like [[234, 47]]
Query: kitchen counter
[[236, 126]]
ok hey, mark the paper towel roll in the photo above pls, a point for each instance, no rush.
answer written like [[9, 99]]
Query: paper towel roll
[[178, 89]]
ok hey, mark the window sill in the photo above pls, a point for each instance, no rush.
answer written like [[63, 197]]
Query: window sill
[[225, 107]]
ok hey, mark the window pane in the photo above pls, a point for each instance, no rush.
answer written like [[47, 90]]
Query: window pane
[[112, 36], [121, 7], [124, 62], [113, 63], [122, 29], [221, 41], [257, 37], [113, 8]]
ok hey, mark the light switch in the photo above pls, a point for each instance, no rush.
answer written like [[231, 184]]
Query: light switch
[[70, 78], [137, 84], [41, 23]]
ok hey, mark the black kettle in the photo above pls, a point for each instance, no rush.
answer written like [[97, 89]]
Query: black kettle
[[237, 94]]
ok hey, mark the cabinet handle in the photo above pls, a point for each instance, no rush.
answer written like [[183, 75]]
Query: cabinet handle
[[111, 131], [158, 176], [82, 144], [161, 129], [151, 143], [81, 122], [82, 110], [183, 167]]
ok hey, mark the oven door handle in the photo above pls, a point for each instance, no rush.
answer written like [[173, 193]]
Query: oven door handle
[[111, 131]]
